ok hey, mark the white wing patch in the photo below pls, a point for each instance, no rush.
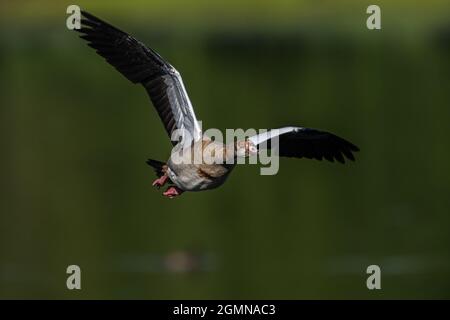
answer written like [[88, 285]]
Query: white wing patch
[[262, 137]]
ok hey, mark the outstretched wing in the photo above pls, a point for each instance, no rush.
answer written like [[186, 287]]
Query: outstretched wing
[[301, 142], [140, 64]]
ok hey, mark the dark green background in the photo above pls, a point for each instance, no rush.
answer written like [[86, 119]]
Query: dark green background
[[75, 135]]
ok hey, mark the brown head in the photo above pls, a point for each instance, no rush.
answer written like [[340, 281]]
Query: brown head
[[245, 148]]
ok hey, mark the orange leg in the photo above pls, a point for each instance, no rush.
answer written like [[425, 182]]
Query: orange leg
[[161, 181], [172, 192]]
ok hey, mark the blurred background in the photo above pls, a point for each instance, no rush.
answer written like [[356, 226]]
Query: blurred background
[[75, 135]]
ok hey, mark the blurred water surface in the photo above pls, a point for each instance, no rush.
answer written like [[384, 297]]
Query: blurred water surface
[[75, 188]]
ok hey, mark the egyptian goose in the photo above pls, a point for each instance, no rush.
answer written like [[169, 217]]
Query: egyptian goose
[[163, 83]]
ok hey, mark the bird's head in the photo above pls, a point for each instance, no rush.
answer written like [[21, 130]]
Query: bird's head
[[245, 149]]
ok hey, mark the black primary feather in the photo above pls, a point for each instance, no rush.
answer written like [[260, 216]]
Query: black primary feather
[[314, 144], [129, 56], [137, 63]]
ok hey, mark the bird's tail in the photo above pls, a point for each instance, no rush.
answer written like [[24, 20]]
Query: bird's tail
[[158, 166]]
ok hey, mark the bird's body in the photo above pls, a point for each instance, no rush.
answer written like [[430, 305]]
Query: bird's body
[[194, 177], [190, 175], [197, 163]]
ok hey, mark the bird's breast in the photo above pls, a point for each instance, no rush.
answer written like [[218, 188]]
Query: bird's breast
[[191, 177]]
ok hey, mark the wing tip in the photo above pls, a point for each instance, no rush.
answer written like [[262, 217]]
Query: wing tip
[[88, 15]]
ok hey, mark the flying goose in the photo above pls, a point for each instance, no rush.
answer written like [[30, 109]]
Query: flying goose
[[141, 64]]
